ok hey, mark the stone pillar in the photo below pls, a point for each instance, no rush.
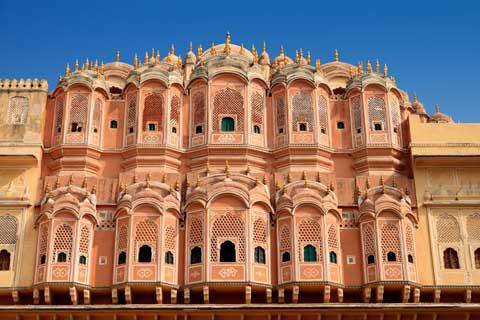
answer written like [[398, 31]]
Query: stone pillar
[[295, 294], [326, 294], [128, 294], [159, 294], [114, 295], [86, 296], [340, 295], [186, 295], [46, 293], [416, 295], [206, 294], [36, 296], [367, 293], [248, 294], [405, 294], [468, 295], [379, 294], [73, 295], [15, 296], [436, 295], [281, 295], [268, 293], [173, 296]]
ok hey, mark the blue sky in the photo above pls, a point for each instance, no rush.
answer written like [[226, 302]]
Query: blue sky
[[431, 47]]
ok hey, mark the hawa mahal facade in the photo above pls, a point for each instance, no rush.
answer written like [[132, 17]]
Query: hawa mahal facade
[[226, 184]]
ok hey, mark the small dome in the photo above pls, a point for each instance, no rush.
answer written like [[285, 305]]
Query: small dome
[[264, 57], [439, 117], [418, 106], [281, 60], [172, 58], [190, 57]]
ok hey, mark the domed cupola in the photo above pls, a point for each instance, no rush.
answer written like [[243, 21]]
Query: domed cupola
[[264, 57], [439, 117], [417, 105], [172, 58], [281, 60], [300, 59], [190, 57]]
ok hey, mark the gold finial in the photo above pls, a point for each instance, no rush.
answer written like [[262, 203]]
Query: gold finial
[[84, 183], [135, 61], [335, 55], [305, 184], [152, 55], [227, 49], [437, 109], [309, 57], [87, 64], [70, 180], [57, 182], [157, 57], [190, 47], [394, 182], [67, 70], [297, 57], [304, 175], [414, 97], [227, 169], [242, 50], [369, 67], [360, 68], [382, 182], [147, 180], [83, 67], [164, 178], [199, 51], [76, 64], [172, 49], [47, 188], [102, 68], [213, 51], [264, 47], [301, 53], [319, 178], [317, 64], [377, 66], [117, 55], [94, 189], [95, 68], [289, 178], [146, 57], [385, 70], [177, 185], [123, 188]]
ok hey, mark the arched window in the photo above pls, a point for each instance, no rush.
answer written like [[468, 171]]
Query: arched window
[[410, 258], [62, 257], [145, 254], [371, 259], [333, 257], [169, 257], [82, 260], [228, 124], [196, 255], [476, 254], [198, 129], [122, 258], [4, 260], [174, 130], [113, 124], [391, 256], [227, 252], [450, 259], [256, 129], [309, 253], [302, 127], [43, 259], [260, 255], [286, 256]]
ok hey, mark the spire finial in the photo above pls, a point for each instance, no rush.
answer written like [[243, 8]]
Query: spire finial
[[95, 68], [87, 64], [227, 169], [76, 64], [301, 53], [146, 57], [297, 57], [157, 57], [57, 182], [360, 68], [227, 44], [309, 57], [437, 109], [317, 64], [369, 67], [117, 55], [172, 49], [177, 185], [84, 183], [414, 97], [289, 178], [385, 70], [212, 50], [190, 47], [242, 49], [135, 61], [67, 70], [335, 55], [152, 55], [382, 182], [102, 68], [70, 180], [377, 66], [281, 50], [199, 51], [304, 175], [264, 46]]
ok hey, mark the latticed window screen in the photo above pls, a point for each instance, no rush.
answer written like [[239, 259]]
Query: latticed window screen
[[122, 238], [357, 113], [323, 114], [257, 106], [170, 238], [97, 116], [84, 240], [132, 112], [146, 233], [228, 227], [43, 242], [196, 231], [447, 229], [8, 230], [175, 111], [17, 110], [473, 227], [59, 115], [285, 238], [63, 242], [302, 111], [376, 111], [409, 240], [281, 113], [390, 238], [198, 109], [79, 109], [368, 236], [259, 231], [228, 102], [332, 237], [153, 111], [395, 111], [310, 232]]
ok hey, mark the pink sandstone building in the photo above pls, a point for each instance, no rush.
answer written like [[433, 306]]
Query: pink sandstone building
[[231, 185]]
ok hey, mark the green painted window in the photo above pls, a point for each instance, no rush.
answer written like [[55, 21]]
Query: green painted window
[[228, 124], [309, 253]]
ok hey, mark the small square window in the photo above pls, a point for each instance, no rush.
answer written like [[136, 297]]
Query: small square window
[[95, 130], [130, 130], [174, 130], [151, 127], [351, 260], [377, 126], [198, 129], [74, 127], [59, 129], [359, 130], [113, 124], [395, 130], [280, 130], [340, 125], [102, 260], [302, 126], [323, 131]]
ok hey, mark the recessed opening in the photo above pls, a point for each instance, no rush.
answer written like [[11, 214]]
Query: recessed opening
[[309, 253], [410, 258], [286, 256], [62, 257], [130, 130], [198, 129], [280, 130], [4, 260], [76, 127], [359, 130], [152, 127], [333, 257], [196, 255], [122, 258], [302, 127], [95, 130], [82, 259], [227, 252], [323, 131], [259, 255], [228, 124], [43, 259], [377, 127], [115, 90], [391, 256], [256, 129], [174, 130], [169, 257], [371, 259], [145, 254], [113, 124], [340, 125]]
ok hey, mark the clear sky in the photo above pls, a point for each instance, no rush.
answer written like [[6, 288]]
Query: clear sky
[[431, 47]]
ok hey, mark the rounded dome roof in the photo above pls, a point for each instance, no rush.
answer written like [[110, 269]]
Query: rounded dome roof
[[282, 59], [440, 117], [417, 105], [220, 49], [172, 57]]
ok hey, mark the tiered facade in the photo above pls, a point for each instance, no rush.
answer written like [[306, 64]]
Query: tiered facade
[[228, 178]]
